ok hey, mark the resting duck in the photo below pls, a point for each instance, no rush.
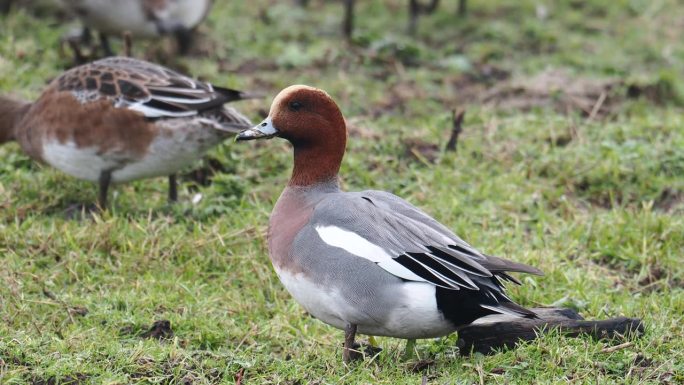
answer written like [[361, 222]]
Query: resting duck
[[142, 18], [368, 261], [121, 119]]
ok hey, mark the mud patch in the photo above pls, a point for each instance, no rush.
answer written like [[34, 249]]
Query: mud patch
[[670, 200], [558, 89], [71, 379], [657, 279], [160, 330], [421, 365], [418, 150], [396, 98], [175, 371], [357, 129]]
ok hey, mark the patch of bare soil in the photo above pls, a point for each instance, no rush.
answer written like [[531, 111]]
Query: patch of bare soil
[[670, 200], [73, 379], [594, 98], [356, 129], [470, 87], [160, 330], [167, 371], [421, 151], [396, 97], [421, 365], [659, 278]]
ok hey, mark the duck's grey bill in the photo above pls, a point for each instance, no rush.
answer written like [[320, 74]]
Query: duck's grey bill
[[263, 130]]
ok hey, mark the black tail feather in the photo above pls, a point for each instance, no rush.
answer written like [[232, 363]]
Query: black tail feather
[[232, 95]]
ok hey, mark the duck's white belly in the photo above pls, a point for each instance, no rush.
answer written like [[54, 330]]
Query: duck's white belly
[[189, 12], [114, 16], [82, 163], [165, 155], [117, 16], [411, 313], [324, 303]]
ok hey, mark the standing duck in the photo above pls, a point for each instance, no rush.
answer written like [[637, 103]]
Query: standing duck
[[368, 261], [142, 18], [121, 119]]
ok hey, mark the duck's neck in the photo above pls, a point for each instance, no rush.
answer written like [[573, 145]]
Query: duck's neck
[[316, 164], [11, 113]]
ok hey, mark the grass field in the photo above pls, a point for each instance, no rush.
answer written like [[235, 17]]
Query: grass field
[[571, 159]]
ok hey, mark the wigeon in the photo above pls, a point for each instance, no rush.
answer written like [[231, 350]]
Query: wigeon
[[121, 119], [142, 18], [369, 261]]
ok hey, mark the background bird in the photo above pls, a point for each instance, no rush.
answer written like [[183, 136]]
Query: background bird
[[121, 119], [141, 18]]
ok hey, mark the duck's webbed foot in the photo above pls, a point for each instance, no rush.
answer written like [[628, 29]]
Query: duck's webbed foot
[[173, 188]]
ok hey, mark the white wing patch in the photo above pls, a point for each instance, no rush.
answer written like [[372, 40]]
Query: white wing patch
[[502, 310], [151, 112], [361, 247]]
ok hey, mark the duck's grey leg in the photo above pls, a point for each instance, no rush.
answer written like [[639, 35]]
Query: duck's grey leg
[[410, 346], [104, 43], [462, 8], [348, 23], [349, 336], [86, 36], [184, 38], [173, 188], [105, 179]]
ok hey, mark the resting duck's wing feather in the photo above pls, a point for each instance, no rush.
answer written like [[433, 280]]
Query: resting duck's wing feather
[[153, 90], [409, 244]]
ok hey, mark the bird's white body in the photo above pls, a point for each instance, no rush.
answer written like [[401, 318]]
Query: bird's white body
[[181, 142], [142, 18]]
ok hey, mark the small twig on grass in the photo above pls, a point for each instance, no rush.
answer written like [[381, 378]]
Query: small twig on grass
[[239, 376], [53, 297], [457, 128], [597, 106], [424, 381], [611, 349]]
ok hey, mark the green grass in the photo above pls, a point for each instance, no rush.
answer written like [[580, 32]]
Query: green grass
[[596, 202]]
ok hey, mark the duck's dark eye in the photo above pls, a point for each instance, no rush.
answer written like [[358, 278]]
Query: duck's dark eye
[[296, 106]]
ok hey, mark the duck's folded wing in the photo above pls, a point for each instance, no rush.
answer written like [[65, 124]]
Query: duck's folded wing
[[407, 243], [153, 90]]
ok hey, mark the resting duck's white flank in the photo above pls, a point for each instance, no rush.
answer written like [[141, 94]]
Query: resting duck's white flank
[[142, 18], [369, 261], [121, 119]]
